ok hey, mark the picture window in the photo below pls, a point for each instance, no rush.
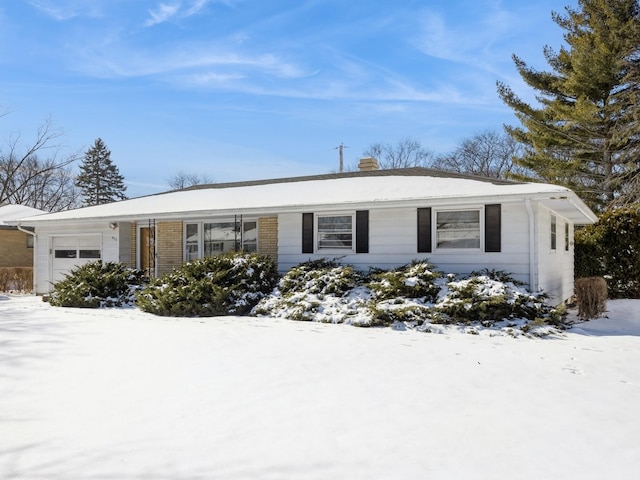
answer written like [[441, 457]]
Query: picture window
[[458, 229]]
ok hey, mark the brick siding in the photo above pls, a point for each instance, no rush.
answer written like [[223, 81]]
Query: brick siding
[[134, 246], [268, 237], [169, 246], [13, 249]]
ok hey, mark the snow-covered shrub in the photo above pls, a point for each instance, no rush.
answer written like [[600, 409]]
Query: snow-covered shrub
[[319, 277], [388, 312], [413, 296], [404, 294], [319, 290], [97, 284], [416, 280], [481, 297], [227, 284]]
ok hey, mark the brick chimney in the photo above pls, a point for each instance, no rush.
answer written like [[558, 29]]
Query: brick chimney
[[368, 164]]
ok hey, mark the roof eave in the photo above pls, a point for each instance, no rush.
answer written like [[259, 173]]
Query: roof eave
[[567, 202]]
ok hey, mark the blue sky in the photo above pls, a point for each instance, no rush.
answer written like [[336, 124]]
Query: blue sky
[[249, 89]]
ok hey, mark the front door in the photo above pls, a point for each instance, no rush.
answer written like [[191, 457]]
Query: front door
[[147, 249]]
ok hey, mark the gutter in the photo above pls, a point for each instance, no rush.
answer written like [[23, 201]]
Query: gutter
[[29, 232], [532, 244]]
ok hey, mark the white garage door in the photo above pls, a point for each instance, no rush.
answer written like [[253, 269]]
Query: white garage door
[[70, 252]]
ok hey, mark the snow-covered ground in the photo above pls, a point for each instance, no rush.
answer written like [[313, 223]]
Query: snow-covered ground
[[120, 394]]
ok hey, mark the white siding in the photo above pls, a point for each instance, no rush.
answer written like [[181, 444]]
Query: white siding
[[393, 242], [109, 239], [555, 267], [124, 241]]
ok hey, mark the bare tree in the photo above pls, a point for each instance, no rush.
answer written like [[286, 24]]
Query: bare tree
[[24, 178], [48, 188], [488, 153], [404, 154], [183, 180]]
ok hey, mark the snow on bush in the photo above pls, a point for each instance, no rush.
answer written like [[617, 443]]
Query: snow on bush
[[97, 284], [404, 294], [417, 280], [414, 296], [490, 297], [227, 284], [321, 291]]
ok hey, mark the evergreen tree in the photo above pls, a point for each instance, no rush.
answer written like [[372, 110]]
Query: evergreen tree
[[99, 179], [583, 134]]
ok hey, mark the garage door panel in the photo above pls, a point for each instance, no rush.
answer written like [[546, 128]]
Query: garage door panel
[[65, 242], [89, 242], [70, 252]]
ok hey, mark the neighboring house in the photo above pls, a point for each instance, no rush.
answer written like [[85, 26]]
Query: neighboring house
[[369, 218], [16, 247]]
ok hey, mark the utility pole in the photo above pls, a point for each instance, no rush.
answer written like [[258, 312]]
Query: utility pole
[[340, 149]]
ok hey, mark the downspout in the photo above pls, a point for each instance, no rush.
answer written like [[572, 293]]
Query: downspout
[[33, 234], [532, 244]]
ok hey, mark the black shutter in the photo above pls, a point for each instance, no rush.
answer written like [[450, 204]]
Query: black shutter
[[424, 230], [362, 231], [492, 227], [307, 233]]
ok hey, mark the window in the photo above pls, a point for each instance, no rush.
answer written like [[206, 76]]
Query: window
[[206, 239], [191, 242], [66, 254], [553, 232], [345, 232], [219, 237], [566, 236], [30, 241], [250, 236], [90, 254], [458, 229], [335, 232]]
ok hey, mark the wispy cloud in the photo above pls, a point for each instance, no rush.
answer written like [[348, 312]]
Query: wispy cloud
[[214, 63], [167, 11], [162, 13], [211, 78], [254, 62], [67, 9], [479, 43], [352, 80], [195, 7]]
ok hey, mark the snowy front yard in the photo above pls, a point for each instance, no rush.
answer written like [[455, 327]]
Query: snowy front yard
[[120, 394]]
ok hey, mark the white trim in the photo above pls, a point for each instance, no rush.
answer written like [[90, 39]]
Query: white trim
[[226, 219], [52, 258], [185, 257], [331, 251], [461, 250], [532, 245]]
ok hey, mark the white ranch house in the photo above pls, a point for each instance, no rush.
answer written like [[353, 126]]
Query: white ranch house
[[370, 218]]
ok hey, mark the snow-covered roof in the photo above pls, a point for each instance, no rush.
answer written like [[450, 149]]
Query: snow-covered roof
[[353, 190], [14, 212]]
